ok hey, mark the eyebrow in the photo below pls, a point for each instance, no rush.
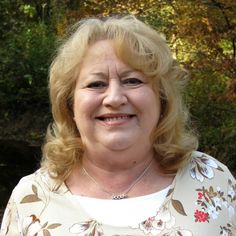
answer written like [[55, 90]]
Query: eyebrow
[[122, 74], [127, 72], [101, 74]]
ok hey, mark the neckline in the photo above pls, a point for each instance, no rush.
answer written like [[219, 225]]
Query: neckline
[[171, 186], [63, 190], [138, 198], [87, 217]]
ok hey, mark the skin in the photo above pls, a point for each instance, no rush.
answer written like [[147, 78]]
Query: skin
[[115, 110]]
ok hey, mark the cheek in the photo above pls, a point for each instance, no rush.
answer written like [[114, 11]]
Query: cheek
[[152, 108], [148, 100], [84, 105], [81, 113]]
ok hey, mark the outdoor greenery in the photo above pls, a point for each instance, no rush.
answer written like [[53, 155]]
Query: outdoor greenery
[[201, 33]]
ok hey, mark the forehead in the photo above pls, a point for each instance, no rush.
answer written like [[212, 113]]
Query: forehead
[[100, 49], [102, 55]]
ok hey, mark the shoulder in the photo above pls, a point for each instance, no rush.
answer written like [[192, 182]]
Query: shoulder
[[33, 185], [206, 174], [28, 186], [207, 190], [205, 167]]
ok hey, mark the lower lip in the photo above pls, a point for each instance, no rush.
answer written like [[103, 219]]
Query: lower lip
[[116, 122]]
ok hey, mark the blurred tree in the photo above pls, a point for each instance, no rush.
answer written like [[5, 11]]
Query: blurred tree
[[203, 39], [25, 53], [201, 34]]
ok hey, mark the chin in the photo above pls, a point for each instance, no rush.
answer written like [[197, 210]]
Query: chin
[[118, 145]]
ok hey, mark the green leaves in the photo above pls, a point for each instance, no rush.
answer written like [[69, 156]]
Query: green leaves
[[28, 10]]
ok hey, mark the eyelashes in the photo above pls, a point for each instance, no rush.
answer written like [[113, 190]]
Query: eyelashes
[[129, 82], [97, 85], [132, 81]]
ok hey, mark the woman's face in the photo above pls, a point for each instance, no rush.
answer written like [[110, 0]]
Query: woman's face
[[114, 106]]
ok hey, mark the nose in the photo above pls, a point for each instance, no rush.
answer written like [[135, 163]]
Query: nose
[[115, 95]]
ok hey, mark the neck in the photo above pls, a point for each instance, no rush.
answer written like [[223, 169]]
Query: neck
[[116, 173], [117, 162], [119, 172], [125, 192]]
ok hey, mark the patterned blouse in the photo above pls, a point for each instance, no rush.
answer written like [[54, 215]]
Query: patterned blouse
[[201, 201]]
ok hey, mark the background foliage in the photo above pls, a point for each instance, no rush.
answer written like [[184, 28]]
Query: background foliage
[[201, 33]]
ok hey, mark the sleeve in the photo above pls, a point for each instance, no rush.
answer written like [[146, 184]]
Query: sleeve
[[10, 221], [231, 202]]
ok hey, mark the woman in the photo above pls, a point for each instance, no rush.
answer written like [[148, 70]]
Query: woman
[[119, 158]]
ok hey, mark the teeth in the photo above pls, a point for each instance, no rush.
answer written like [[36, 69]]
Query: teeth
[[115, 118]]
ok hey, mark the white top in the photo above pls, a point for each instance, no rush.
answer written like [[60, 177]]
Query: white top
[[125, 212]]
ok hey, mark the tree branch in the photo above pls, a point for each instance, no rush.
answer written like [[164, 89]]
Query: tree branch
[[221, 8]]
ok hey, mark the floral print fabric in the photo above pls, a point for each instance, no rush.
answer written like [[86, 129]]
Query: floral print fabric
[[200, 201]]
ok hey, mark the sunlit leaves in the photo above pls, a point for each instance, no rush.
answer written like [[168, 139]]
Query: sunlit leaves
[[28, 10]]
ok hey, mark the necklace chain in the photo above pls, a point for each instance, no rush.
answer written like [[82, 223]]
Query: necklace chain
[[124, 194]]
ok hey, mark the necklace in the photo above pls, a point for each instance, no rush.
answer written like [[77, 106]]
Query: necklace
[[124, 194]]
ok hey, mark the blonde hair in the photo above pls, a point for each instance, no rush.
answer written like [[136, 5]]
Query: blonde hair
[[143, 49]]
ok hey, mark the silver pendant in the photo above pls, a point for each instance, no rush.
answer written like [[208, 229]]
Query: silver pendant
[[119, 197]]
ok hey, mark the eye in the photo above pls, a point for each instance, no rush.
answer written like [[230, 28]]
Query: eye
[[97, 85], [132, 81]]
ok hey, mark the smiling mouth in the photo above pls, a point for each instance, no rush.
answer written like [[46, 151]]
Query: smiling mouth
[[111, 118]]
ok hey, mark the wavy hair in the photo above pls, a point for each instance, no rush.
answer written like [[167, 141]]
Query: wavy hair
[[145, 50]]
